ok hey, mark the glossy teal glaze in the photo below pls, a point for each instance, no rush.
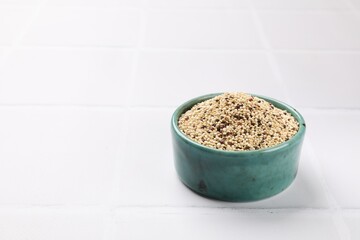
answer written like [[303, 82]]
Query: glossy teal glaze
[[231, 175]]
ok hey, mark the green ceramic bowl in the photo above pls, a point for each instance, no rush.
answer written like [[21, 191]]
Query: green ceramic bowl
[[232, 175]]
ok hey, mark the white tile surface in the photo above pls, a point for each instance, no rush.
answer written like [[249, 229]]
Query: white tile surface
[[12, 22], [19, 2], [168, 78], [221, 224], [147, 175], [300, 5], [201, 29], [59, 155], [2, 59], [65, 76], [66, 26], [338, 151], [198, 4], [87, 89], [96, 3], [352, 219], [355, 4], [50, 224], [329, 80], [297, 30]]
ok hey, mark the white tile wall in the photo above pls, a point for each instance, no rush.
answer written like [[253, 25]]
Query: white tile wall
[[19, 2], [12, 22], [65, 76], [96, 3], [172, 77], [87, 89], [301, 5], [2, 59], [198, 4], [209, 29], [355, 4], [84, 26], [329, 80], [326, 30]]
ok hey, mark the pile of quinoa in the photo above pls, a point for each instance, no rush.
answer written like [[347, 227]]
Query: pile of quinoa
[[237, 122]]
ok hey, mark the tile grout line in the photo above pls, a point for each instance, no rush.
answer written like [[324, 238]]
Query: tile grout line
[[110, 216], [269, 51], [337, 216], [127, 108], [136, 54]]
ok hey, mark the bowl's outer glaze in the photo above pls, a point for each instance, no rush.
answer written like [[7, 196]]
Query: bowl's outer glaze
[[236, 176]]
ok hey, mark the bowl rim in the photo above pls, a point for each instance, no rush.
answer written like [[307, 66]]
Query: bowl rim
[[188, 104]]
